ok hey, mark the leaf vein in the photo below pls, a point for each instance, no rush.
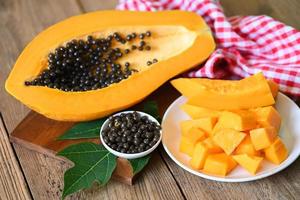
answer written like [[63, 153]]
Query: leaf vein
[[93, 166]]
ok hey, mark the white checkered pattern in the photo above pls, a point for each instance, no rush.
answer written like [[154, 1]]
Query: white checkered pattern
[[249, 44]]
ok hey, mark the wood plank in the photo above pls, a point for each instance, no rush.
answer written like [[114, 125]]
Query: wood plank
[[52, 170], [12, 183], [20, 22], [154, 183], [32, 17], [147, 186], [196, 188], [284, 185], [93, 5], [285, 11], [40, 134]]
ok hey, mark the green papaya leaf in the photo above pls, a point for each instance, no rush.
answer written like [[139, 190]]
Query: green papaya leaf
[[92, 162], [139, 163], [82, 130], [151, 108]]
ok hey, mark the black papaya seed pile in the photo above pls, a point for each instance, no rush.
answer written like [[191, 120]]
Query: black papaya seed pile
[[131, 133], [89, 64]]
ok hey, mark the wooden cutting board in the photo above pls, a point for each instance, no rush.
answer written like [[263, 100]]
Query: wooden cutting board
[[40, 134]]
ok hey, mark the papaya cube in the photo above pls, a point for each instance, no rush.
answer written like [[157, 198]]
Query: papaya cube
[[185, 126], [206, 124], [228, 139], [188, 141], [212, 146], [202, 150], [276, 152], [219, 164], [196, 112], [239, 120], [246, 147], [262, 137], [231, 164], [186, 146], [195, 135], [268, 116], [273, 87], [199, 155], [249, 162]]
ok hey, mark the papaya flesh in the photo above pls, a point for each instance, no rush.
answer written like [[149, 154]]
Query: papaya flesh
[[250, 92], [196, 112], [177, 37], [274, 88], [210, 83], [189, 87]]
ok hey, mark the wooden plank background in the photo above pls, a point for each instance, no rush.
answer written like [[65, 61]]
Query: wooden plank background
[[25, 174], [12, 183]]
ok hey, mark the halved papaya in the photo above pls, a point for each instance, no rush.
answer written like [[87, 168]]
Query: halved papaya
[[177, 36]]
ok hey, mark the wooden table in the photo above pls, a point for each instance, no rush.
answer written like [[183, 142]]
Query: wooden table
[[25, 174]]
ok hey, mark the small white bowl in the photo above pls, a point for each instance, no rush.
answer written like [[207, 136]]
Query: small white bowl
[[130, 155]]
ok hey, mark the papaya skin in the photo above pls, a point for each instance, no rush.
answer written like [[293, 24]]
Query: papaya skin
[[194, 34]]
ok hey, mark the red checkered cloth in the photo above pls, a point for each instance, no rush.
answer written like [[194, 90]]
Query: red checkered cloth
[[249, 44]]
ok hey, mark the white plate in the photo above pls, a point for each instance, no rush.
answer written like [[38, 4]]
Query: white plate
[[289, 132]]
